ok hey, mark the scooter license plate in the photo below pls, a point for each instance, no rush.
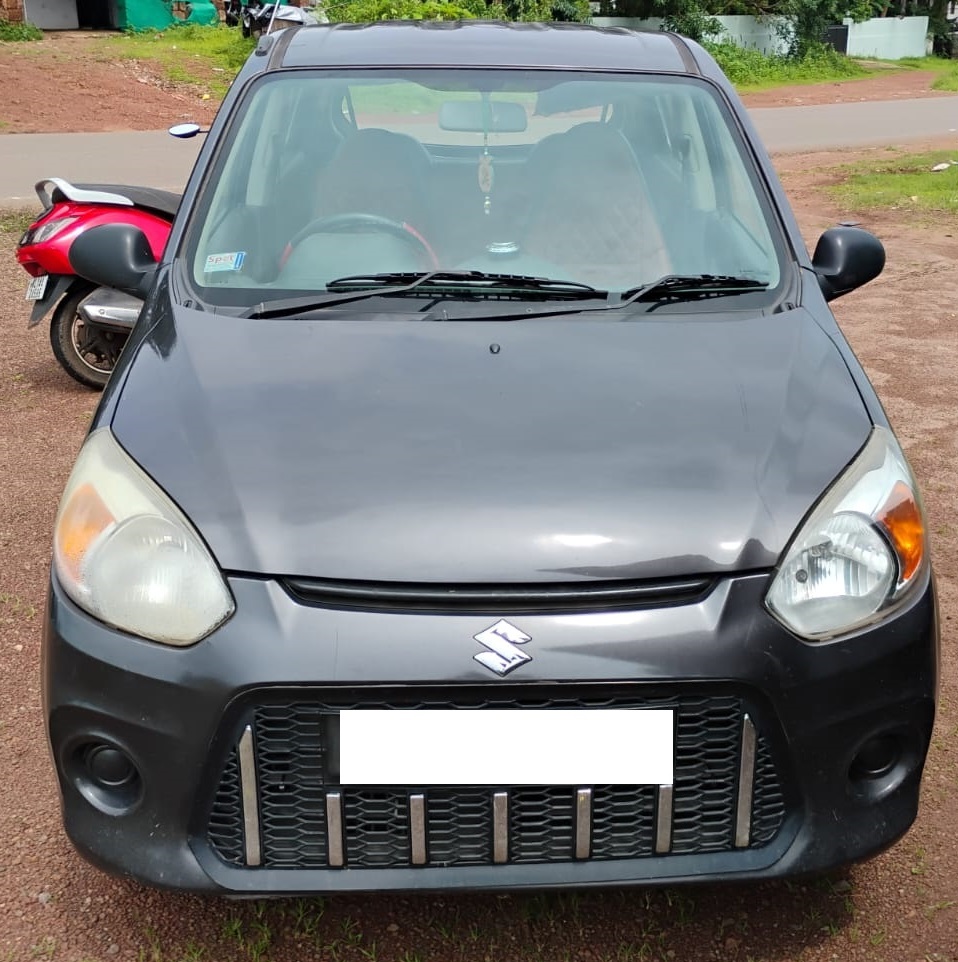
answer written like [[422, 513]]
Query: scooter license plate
[[37, 287]]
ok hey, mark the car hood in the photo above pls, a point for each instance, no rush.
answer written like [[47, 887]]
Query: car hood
[[388, 449]]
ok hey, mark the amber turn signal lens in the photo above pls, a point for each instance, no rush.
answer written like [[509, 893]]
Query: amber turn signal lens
[[83, 519], [901, 518]]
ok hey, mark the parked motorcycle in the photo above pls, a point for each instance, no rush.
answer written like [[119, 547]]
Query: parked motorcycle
[[257, 18], [90, 324]]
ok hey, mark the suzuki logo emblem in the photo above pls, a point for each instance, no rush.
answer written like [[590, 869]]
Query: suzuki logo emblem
[[503, 655]]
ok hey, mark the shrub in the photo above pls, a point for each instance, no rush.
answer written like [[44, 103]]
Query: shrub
[[365, 11], [15, 32], [752, 68]]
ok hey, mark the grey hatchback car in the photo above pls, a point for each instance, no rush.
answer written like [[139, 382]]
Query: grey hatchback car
[[487, 496]]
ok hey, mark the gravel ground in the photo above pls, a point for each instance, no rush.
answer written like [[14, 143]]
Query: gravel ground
[[900, 907]]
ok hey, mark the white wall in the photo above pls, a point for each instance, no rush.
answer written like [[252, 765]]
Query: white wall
[[889, 38], [51, 14], [764, 35], [743, 31]]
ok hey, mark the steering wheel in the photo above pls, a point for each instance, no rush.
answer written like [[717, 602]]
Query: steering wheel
[[343, 223]]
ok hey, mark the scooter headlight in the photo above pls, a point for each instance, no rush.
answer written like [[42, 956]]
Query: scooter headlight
[[127, 555]]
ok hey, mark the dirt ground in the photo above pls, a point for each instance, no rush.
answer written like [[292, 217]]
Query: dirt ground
[[63, 83], [66, 83], [899, 907]]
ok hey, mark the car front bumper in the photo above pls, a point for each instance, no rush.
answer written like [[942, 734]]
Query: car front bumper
[[790, 757]]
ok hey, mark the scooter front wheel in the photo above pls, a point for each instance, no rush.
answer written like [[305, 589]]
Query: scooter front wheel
[[87, 353]]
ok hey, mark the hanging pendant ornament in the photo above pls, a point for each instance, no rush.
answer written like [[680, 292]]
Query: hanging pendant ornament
[[486, 178]]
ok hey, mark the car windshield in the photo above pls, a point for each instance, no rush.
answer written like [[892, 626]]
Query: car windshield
[[332, 181]]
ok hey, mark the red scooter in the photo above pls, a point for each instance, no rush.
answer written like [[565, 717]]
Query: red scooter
[[90, 324]]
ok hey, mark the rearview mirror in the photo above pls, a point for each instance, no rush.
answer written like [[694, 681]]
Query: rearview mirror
[[115, 255], [483, 116], [845, 259]]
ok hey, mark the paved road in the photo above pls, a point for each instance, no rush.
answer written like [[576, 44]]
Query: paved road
[[857, 124], [150, 158], [157, 160]]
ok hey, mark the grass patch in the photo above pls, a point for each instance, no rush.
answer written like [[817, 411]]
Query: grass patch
[[947, 70], [902, 181], [15, 222], [189, 54], [947, 81], [753, 70], [935, 64], [17, 32]]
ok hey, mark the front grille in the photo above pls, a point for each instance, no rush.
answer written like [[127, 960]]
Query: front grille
[[510, 599], [303, 819]]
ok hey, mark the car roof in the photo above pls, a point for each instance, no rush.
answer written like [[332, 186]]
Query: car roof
[[473, 43]]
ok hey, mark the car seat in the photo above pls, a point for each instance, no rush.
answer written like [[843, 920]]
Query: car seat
[[380, 172], [590, 211], [373, 172]]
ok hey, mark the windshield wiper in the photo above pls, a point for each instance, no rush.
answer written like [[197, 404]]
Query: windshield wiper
[[687, 287], [472, 280], [677, 287], [358, 287]]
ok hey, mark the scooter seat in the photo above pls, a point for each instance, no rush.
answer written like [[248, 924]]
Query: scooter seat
[[163, 202]]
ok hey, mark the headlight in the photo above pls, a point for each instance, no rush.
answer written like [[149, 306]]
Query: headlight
[[126, 554], [859, 552], [48, 229]]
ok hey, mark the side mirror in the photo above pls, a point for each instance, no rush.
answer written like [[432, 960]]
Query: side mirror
[[115, 255], [845, 258], [185, 131]]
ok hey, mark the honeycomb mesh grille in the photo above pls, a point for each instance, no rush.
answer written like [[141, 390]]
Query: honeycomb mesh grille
[[706, 776], [768, 805], [377, 828], [226, 818], [460, 827], [295, 746], [541, 824], [623, 821], [290, 751]]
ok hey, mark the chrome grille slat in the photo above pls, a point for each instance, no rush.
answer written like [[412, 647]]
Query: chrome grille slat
[[583, 822], [746, 779], [663, 819], [334, 829], [500, 828], [417, 828], [250, 797]]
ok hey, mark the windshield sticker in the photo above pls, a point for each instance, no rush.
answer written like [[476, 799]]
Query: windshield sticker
[[224, 262]]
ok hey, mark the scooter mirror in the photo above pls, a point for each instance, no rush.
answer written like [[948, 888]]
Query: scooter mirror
[[185, 131]]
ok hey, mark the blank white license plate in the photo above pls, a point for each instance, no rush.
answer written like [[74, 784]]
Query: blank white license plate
[[506, 747], [37, 287]]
